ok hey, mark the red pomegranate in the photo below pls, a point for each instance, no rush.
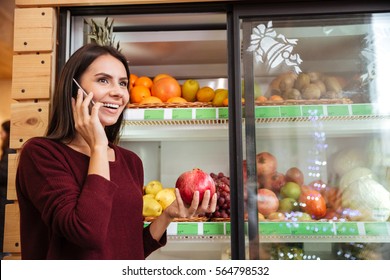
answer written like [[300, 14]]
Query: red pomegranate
[[194, 180], [266, 164], [272, 182], [267, 202]]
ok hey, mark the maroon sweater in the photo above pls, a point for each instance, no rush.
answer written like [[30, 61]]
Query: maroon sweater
[[67, 214]]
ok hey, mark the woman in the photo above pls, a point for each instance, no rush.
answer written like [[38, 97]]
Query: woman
[[80, 195], [5, 151]]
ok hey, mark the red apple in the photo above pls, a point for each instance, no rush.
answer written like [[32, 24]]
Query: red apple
[[267, 202], [266, 164], [194, 180]]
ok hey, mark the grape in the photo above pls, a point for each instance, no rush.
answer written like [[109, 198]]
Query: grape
[[222, 184], [221, 200], [216, 214]]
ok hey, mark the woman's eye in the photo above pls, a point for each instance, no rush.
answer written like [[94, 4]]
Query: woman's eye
[[104, 81], [123, 84]]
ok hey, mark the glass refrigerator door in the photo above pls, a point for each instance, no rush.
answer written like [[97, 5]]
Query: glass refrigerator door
[[316, 153], [174, 138]]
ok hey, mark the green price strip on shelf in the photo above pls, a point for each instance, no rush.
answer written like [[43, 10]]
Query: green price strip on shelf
[[181, 114], [347, 229], [362, 109], [187, 229], [312, 111], [274, 228], [288, 228], [290, 111], [267, 112], [376, 229], [338, 110], [206, 114], [223, 113], [154, 114], [214, 228], [312, 228]]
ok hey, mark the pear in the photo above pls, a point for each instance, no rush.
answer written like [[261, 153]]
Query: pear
[[165, 197], [151, 207], [189, 90], [153, 187]]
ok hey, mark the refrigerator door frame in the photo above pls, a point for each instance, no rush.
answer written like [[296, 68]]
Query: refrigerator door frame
[[273, 10], [235, 115]]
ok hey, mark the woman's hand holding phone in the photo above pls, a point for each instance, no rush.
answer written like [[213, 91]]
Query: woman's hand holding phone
[[87, 122]]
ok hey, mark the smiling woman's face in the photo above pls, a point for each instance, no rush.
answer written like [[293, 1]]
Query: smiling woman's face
[[107, 79]]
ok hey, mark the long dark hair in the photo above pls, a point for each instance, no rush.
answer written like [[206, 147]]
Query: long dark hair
[[6, 126], [61, 124]]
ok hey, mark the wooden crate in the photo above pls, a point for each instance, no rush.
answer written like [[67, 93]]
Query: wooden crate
[[34, 29], [31, 76], [11, 188], [28, 120], [12, 229]]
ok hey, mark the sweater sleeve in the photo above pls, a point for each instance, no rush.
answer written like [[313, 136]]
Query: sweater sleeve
[[150, 244], [79, 211]]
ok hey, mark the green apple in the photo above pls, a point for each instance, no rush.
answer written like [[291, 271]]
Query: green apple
[[189, 90], [291, 189], [288, 204]]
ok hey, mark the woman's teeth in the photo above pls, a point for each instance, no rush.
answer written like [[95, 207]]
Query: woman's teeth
[[109, 105]]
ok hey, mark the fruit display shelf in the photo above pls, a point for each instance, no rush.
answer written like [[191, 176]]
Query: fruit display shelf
[[328, 231], [287, 112], [284, 120]]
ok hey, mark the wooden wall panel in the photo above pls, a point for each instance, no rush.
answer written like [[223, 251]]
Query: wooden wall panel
[[31, 76], [28, 120], [12, 229], [34, 29], [12, 165]]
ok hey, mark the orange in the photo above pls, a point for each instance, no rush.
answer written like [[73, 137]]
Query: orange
[[176, 100], [132, 79], [205, 94], [159, 76], [261, 98], [276, 97], [138, 93], [151, 100], [144, 81], [166, 88], [225, 102]]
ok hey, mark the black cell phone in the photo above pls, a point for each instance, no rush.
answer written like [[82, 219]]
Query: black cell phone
[[84, 93]]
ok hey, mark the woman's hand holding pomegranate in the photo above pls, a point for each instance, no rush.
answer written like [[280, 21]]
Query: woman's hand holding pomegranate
[[179, 210]]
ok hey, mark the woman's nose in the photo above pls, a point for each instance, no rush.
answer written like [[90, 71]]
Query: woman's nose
[[118, 90]]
